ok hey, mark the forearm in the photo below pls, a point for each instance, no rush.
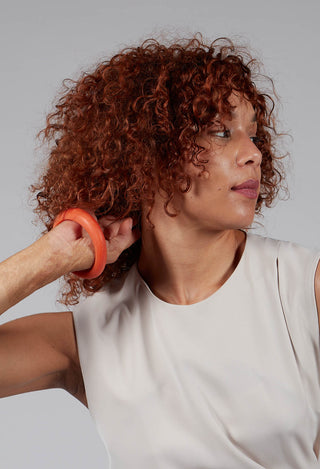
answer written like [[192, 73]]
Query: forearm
[[62, 250], [30, 269]]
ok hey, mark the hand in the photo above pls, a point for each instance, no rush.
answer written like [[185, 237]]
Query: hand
[[119, 236], [72, 241], [66, 248]]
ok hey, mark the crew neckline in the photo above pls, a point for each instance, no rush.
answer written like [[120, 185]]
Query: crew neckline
[[213, 295]]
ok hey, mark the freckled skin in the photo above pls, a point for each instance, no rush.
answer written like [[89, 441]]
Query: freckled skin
[[233, 158]]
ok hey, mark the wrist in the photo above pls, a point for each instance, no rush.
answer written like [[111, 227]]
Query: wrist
[[30, 269], [48, 261]]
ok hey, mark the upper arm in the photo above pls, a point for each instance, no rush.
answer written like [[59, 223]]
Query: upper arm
[[317, 289], [38, 352]]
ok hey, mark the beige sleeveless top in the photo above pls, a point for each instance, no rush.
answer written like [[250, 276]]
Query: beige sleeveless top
[[230, 382]]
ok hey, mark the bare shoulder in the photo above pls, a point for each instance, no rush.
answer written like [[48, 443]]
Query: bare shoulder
[[40, 352]]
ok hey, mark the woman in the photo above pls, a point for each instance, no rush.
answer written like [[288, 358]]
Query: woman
[[200, 345]]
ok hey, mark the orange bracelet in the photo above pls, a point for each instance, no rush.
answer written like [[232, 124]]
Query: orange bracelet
[[97, 237]]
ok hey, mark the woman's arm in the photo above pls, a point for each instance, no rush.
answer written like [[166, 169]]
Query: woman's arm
[[44, 261], [40, 351], [64, 249]]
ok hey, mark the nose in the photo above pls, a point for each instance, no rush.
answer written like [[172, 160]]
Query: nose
[[248, 152]]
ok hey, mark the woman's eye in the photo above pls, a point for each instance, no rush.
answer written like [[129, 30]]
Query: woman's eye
[[220, 133], [255, 140]]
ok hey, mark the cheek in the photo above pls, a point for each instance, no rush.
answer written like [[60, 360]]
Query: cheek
[[210, 187], [217, 172]]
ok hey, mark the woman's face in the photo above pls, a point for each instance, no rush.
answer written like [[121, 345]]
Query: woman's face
[[215, 201]]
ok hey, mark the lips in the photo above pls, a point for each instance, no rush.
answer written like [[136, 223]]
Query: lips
[[250, 184], [248, 188]]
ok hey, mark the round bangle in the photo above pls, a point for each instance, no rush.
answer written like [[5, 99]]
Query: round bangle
[[97, 237]]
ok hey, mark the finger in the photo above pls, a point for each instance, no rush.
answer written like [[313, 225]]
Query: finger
[[118, 228], [110, 228], [120, 243], [130, 238], [125, 226], [106, 220]]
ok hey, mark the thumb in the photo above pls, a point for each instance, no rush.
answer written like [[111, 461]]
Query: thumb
[[125, 226]]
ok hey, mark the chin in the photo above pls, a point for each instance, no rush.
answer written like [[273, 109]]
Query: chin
[[242, 221], [235, 224], [227, 219]]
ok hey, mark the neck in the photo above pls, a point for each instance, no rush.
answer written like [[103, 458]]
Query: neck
[[185, 266]]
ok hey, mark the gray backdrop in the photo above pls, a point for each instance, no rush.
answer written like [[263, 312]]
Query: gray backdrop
[[44, 42]]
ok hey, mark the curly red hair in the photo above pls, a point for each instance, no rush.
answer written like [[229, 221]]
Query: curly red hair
[[140, 111]]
